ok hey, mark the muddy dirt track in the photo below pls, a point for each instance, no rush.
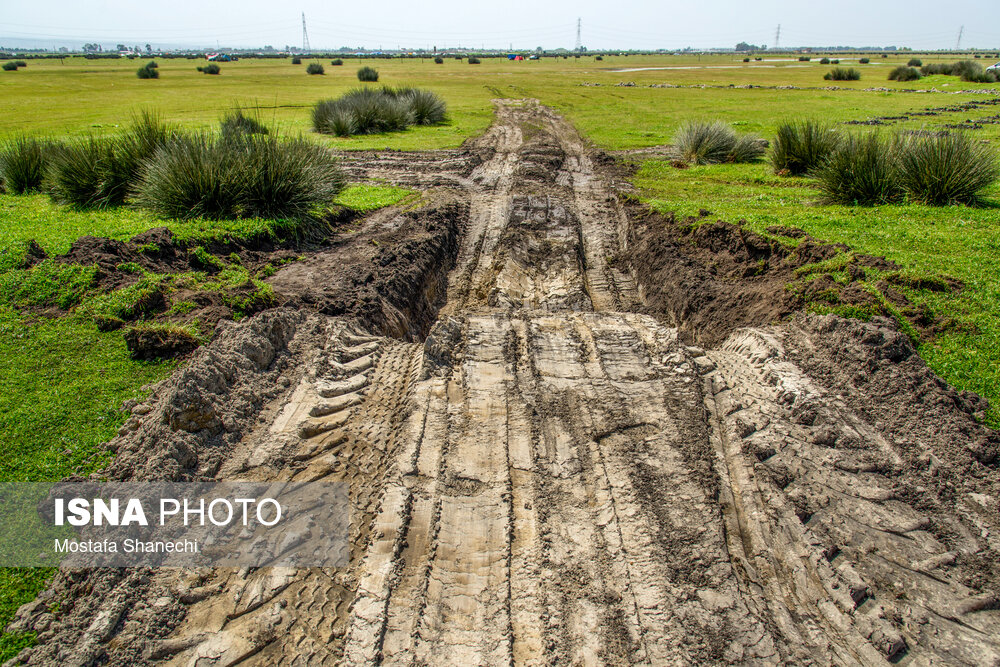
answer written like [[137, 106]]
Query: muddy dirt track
[[543, 471]]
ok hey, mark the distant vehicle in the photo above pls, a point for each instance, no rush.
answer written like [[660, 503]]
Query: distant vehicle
[[218, 57], [533, 58], [993, 68]]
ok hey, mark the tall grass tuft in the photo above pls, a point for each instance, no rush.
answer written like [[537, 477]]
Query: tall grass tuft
[[801, 147], [99, 171], [710, 143], [864, 61], [237, 123], [369, 74], [22, 164], [936, 68], [314, 68], [843, 74], [211, 68], [438, 60], [946, 169], [474, 60], [371, 110], [148, 71], [255, 175], [914, 62], [903, 73], [296, 60], [337, 62], [861, 172], [10, 66]]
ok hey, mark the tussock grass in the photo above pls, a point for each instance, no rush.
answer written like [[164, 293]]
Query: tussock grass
[[22, 164], [843, 74], [239, 122], [371, 111], [946, 169], [337, 62], [903, 73], [710, 143], [861, 172], [251, 175], [914, 62], [314, 68], [801, 147], [99, 171], [10, 66], [369, 74], [211, 68]]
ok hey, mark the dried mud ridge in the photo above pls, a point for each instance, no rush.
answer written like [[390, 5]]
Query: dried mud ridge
[[553, 477]]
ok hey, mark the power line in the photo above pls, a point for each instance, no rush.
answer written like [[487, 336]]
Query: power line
[[777, 36], [579, 43], [305, 36], [958, 42]]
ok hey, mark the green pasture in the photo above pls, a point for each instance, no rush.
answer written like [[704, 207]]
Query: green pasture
[[65, 380]]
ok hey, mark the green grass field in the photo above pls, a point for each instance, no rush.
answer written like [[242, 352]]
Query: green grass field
[[49, 431]]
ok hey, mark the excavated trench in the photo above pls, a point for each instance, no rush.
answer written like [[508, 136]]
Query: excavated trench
[[542, 472]]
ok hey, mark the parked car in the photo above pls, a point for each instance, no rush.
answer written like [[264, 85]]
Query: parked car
[[993, 68]]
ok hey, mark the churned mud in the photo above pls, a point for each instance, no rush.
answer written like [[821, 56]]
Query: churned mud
[[573, 436]]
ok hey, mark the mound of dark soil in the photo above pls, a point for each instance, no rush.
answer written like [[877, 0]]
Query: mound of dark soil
[[145, 342], [711, 278]]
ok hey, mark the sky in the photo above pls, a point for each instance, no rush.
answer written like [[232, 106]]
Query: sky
[[521, 24]]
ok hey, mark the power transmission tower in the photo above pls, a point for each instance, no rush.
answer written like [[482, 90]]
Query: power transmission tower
[[958, 44], [305, 35], [777, 37], [579, 44]]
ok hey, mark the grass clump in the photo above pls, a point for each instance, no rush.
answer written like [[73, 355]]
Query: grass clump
[[843, 74], [369, 74], [99, 171], [237, 123], [946, 169], [210, 68], [914, 62], [438, 60], [864, 61], [801, 147], [861, 172], [10, 66], [804, 59], [314, 68], [710, 143], [473, 60], [22, 164], [337, 62], [904, 73], [824, 61], [371, 111], [931, 69], [254, 175], [148, 71], [296, 60]]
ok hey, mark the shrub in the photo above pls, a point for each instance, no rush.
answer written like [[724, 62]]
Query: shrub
[[804, 59], [314, 68], [100, 171], [369, 111], [967, 70], [936, 68], [22, 164], [148, 71], [211, 68], [708, 143], [746, 60], [438, 60], [296, 60], [843, 74], [599, 58], [864, 61], [367, 74], [903, 73], [474, 60], [946, 169], [237, 123], [20, 63], [256, 176], [10, 66], [337, 62], [861, 172], [914, 62], [835, 61], [824, 61], [800, 148]]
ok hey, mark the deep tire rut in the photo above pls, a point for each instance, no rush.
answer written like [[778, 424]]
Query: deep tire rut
[[554, 478]]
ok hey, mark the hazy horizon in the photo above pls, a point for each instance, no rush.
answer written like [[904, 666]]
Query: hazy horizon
[[920, 24]]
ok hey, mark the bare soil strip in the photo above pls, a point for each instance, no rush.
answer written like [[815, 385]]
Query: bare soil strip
[[552, 476]]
